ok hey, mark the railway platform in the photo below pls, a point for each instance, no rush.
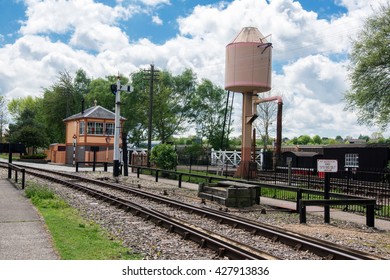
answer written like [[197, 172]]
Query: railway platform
[[23, 234]]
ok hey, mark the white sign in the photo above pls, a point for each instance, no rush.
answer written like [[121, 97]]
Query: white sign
[[127, 88], [327, 165]]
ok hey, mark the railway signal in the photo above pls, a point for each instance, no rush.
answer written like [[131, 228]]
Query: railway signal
[[116, 89]]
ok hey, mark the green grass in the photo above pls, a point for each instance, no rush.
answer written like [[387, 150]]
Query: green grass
[[75, 238]]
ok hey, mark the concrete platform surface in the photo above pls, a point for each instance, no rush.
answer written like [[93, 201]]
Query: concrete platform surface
[[23, 234]]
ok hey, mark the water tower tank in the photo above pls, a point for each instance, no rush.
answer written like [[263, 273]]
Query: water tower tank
[[248, 62]]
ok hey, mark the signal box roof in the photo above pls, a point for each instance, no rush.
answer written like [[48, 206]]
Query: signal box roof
[[95, 112]]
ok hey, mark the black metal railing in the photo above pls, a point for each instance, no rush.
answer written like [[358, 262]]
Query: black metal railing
[[17, 170]]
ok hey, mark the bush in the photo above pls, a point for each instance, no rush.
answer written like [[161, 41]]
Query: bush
[[164, 156], [34, 156]]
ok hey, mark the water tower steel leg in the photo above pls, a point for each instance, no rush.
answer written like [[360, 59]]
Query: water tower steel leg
[[278, 151], [243, 169]]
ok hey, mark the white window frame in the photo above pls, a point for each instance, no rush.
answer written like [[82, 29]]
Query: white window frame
[[352, 160]]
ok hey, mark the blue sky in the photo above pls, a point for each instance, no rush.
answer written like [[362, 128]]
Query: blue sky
[[13, 13], [311, 41]]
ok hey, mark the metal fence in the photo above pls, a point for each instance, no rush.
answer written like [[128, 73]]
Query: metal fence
[[353, 182]]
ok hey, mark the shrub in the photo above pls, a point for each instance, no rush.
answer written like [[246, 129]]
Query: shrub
[[34, 156], [164, 156]]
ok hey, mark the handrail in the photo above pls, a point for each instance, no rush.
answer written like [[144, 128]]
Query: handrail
[[105, 164], [17, 169]]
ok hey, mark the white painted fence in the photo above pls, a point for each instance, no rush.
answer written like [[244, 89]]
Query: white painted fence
[[232, 158]]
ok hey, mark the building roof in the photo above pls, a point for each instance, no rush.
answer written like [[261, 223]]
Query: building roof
[[303, 154], [367, 145], [95, 112]]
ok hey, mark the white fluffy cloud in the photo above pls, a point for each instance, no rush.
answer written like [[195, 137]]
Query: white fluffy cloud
[[309, 54]]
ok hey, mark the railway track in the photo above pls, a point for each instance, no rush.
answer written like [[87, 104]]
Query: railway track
[[325, 250]]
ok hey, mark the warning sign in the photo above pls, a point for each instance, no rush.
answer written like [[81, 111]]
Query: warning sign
[[327, 165]]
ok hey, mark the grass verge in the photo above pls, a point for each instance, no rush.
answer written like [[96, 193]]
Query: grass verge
[[74, 238]]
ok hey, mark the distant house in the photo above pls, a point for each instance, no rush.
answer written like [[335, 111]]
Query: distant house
[[356, 141], [89, 132]]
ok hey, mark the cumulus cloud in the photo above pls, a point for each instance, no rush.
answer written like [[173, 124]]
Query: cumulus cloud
[[157, 20]]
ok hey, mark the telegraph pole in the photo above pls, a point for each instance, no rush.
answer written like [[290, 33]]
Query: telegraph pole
[[152, 76]]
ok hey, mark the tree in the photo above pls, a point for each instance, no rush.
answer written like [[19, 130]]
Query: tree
[[369, 71], [62, 100], [172, 110], [267, 114], [317, 139], [29, 131], [304, 140], [164, 156], [209, 105]]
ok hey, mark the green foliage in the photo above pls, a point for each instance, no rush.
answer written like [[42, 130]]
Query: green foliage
[[74, 238], [44, 197], [62, 100], [164, 156], [317, 139], [195, 150], [209, 105], [28, 130], [369, 70], [34, 156]]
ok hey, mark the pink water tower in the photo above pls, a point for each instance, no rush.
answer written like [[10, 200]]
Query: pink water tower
[[248, 70]]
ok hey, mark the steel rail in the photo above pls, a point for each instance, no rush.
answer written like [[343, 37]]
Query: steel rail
[[319, 247], [223, 246]]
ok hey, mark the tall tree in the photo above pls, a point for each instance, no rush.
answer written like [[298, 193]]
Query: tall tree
[[29, 131], [369, 71], [172, 98], [209, 107], [62, 100]]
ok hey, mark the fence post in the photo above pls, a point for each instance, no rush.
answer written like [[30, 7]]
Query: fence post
[[180, 177], [156, 175], [302, 213], [289, 172], [138, 171], [23, 178], [77, 166], [299, 198], [105, 167], [16, 175], [327, 196], [370, 215]]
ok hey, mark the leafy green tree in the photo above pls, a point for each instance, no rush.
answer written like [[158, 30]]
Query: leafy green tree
[[62, 100], [164, 156], [172, 110], [17, 105], [369, 70], [339, 139], [317, 140], [29, 131], [209, 105], [304, 140]]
